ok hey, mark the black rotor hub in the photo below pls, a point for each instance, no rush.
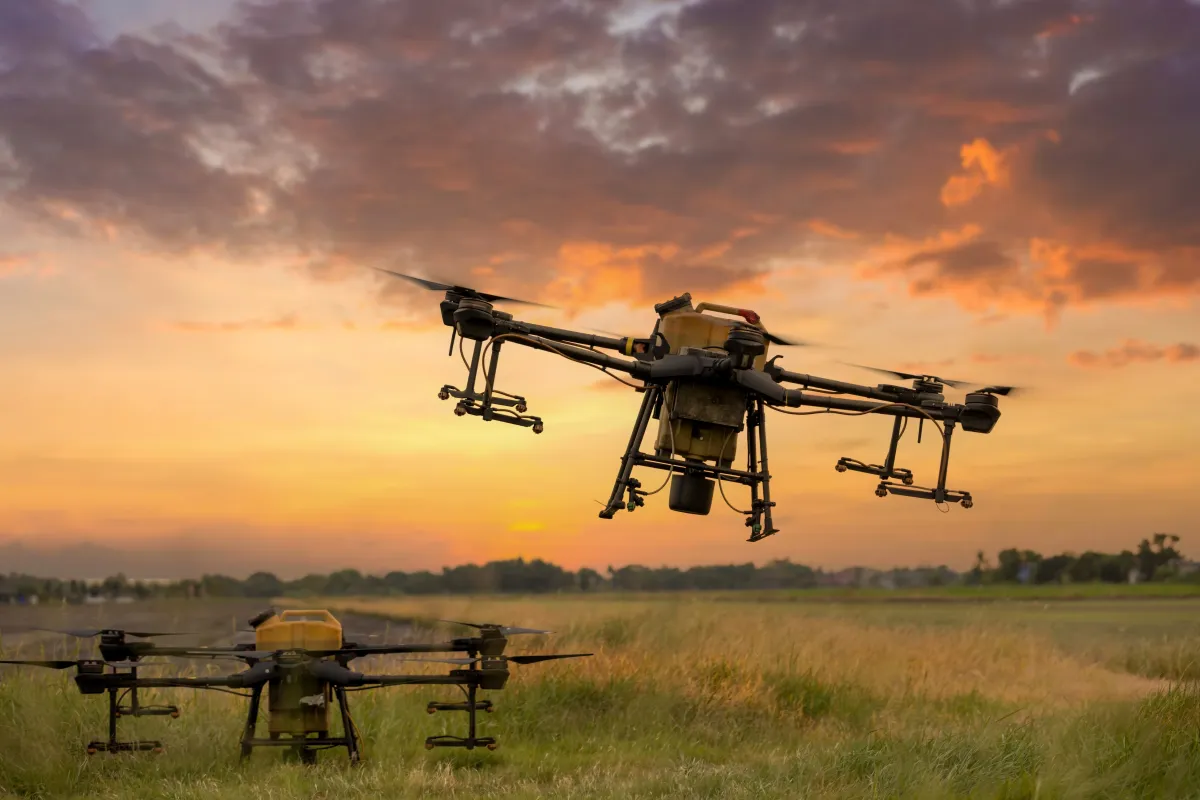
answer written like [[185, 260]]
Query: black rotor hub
[[474, 319], [744, 345]]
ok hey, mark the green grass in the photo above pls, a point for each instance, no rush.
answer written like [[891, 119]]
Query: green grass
[[703, 696], [957, 593]]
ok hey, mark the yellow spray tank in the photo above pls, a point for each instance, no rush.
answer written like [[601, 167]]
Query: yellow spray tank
[[299, 703], [702, 422]]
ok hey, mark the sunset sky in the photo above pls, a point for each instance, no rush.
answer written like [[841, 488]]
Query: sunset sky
[[203, 373]]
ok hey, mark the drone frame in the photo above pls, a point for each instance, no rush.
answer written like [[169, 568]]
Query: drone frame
[[485, 669], [471, 315]]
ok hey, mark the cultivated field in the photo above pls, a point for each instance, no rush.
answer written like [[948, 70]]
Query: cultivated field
[[687, 696]]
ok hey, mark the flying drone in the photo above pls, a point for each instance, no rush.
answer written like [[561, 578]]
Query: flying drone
[[301, 659], [705, 378]]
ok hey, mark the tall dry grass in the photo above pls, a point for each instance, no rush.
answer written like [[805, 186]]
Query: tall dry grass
[[683, 698]]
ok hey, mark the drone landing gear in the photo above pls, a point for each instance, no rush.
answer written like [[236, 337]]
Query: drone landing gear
[[115, 712], [886, 470], [304, 746], [940, 494], [470, 741], [692, 472], [760, 509], [487, 402]]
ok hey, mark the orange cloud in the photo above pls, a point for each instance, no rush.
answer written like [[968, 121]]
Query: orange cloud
[[1134, 351], [291, 322], [823, 227], [978, 273], [13, 264], [407, 325], [983, 166], [985, 275], [288, 322], [1064, 25]]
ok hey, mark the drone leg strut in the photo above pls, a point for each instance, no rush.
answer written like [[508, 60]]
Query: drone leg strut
[[470, 741], [890, 461], [348, 731], [624, 479], [888, 469], [136, 709], [940, 494], [489, 380], [251, 721], [473, 370], [113, 745], [759, 521]]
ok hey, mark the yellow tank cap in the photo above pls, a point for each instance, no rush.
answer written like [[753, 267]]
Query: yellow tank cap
[[308, 615]]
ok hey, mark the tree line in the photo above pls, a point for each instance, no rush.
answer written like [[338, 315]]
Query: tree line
[[1155, 559]]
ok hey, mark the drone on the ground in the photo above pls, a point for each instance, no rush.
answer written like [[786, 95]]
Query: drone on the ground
[[300, 657], [705, 378]]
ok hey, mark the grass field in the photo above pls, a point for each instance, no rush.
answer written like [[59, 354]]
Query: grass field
[[701, 695]]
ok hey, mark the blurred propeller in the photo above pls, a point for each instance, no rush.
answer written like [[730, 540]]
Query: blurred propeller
[[68, 664], [911, 376], [87, 633], [504, 630], [1003, 391], [434, 286], [514, 659], [786, 342]]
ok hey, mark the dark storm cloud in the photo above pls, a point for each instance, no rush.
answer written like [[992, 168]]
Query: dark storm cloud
[[525, 144]]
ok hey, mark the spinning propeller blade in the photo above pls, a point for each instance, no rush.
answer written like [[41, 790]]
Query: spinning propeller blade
[[47, 664], [68, 664], [786, 342], [1003, 391], [911, 376], [87, 633], [434, 286], [505, 630], [514, 659]]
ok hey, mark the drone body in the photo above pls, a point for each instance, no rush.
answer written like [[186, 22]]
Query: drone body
[[300, 658], [300, 705], [705, 379]]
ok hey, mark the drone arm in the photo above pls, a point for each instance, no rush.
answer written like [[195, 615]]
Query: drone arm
[[637, 369], [620, 344], [216, 682], [411, 680], [796, 398], [826, 384], [337, 675], [96, 683]]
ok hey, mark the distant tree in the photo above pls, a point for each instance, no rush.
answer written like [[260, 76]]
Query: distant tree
[[220, 586], [1054, 569], [115, 585], [590, 580], [1008, 565], [262, 584], [1155, 554], [979, 572]]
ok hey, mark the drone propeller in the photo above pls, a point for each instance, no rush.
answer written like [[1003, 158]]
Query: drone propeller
[[786, 342], [68, 664], [912, 377], [87, 633], [1003, 391], [504, 630], [514, 659], [434, 286]]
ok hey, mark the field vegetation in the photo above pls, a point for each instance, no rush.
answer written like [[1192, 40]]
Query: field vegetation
[[704, 695]]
